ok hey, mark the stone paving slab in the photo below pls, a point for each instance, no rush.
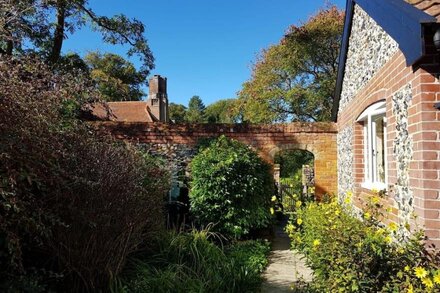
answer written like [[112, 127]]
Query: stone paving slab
[[285, 266]]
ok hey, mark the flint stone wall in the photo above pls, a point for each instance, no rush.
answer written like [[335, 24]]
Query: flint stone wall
[[370, 48], [345, 162], [402, 153]]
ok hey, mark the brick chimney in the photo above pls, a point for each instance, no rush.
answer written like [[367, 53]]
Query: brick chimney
[[158, 98]]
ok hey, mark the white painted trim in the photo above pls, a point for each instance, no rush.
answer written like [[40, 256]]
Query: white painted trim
[[374, 185], [376, 108], [370, 148], [385, 138]]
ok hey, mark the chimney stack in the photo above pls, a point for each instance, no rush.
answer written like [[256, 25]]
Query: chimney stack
[[158, 98]]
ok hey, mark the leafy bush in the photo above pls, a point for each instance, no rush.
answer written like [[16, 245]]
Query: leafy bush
[[192, 263], [231, 187], [251, 254], [352, 255], [73, 205]]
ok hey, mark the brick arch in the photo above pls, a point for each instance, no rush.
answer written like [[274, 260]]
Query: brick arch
[[266, 140], [293, 146], [325, 163]]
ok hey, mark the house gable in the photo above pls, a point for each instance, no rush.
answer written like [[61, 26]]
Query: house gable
[[370, 47], [406, 23]]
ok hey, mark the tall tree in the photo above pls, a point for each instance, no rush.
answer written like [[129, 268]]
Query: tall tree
[[31, 21], [295, 79], [221, 111], [116, 78], [177, 112], [196, 110], [21, 20]]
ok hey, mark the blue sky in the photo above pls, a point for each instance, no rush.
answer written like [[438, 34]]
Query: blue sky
[[203, 47]]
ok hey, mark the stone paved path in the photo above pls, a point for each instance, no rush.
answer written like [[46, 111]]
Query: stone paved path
[[285, 266]]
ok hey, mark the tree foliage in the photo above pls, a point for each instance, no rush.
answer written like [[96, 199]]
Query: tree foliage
[[231, 187], [72, 203], [295, 79], [45, 24], [292, 160], [116, 78], [177, 112], [222, 111], [196, 110]]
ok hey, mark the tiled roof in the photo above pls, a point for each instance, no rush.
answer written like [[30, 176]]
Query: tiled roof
[[136, 111], [432, 7]]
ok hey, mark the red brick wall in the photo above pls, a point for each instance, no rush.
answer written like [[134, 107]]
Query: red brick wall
[[267, 140], [424, 128]]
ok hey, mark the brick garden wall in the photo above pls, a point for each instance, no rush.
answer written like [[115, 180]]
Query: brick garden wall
[[178, 141]]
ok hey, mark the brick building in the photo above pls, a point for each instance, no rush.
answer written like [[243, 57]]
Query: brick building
[[386, 109], [154, 109]]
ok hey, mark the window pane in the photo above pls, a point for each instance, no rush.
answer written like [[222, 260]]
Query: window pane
[[379, 149]]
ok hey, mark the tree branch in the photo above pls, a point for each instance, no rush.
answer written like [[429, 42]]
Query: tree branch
[[99, 22]]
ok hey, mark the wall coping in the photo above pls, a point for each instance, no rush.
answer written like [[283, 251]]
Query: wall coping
[[294, 127]]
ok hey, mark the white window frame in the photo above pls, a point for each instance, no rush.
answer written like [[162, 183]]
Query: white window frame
[[370, 160]]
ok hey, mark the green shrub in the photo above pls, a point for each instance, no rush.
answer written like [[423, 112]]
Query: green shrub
[[352, 255], [192, 263], [231, 187], [73, 204], [251, 254]]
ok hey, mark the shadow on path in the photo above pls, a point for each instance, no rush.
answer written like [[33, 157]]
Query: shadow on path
[[285, 266]]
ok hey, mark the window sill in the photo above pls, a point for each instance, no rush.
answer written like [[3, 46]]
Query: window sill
[[374, 186]]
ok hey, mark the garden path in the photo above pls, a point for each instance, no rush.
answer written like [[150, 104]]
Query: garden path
[[285, 266]]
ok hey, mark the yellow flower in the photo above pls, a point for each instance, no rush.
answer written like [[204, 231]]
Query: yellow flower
[[374, 190], [380, 231], [400, 250], [410, 289], [274, 198], [375, 199], [407, 269], [272, 211], [367, 216], [316, 242], [347, 200], [298, 203], [427, 282], [388, 239], [337, 212], [290, 228], [299, 221], [420, 272], [349, 194], [392, 226], [437, 277]]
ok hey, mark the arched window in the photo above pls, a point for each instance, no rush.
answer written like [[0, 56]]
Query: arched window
[[375, 137]]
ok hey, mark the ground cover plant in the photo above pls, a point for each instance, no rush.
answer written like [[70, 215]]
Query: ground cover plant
[[73, 204], [231, 187], [351, 254], [191, 262]]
